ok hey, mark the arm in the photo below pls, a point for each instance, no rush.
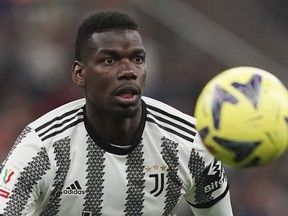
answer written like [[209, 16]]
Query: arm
[[221, 208], [210, 193], [208, 190], [20, 174]]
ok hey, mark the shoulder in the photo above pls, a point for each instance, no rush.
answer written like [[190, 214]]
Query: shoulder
[[170, 123], [59, 112], [158, 108], [61, 117]]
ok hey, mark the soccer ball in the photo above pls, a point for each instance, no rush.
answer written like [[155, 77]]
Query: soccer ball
[[242, 117]]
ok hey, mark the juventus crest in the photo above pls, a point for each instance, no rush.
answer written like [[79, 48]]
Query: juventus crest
[[157, 175]]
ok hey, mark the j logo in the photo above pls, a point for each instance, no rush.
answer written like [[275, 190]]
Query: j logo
[[158, 174], [159, 184]]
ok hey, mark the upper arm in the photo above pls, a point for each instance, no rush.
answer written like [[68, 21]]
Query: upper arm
[[208, 182]]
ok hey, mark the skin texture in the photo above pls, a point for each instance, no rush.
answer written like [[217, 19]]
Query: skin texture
[[113, 76]]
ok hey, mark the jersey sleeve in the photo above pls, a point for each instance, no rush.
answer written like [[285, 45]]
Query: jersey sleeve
[[221, 208], [21, 173], [210, 181]]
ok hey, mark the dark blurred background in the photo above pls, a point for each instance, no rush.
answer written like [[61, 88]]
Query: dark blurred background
[[188, 42]]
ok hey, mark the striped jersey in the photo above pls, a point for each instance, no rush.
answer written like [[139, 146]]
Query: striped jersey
[[60, 166]]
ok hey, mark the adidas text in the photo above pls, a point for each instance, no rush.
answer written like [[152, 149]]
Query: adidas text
[[75, 191]]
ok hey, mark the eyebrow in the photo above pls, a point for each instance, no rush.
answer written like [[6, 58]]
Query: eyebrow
[[112, 52]]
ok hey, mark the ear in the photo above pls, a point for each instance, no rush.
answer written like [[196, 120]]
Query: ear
[[78, 74]]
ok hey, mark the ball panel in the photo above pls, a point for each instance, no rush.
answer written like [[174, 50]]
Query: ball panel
[[242, 117]]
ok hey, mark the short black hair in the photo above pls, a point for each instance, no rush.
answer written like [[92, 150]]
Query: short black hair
[[96, 23]]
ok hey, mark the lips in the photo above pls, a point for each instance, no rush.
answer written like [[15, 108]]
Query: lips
[[127, 94], [125, 91]]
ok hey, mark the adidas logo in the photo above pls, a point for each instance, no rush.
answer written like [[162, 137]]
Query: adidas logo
[[74, 188]]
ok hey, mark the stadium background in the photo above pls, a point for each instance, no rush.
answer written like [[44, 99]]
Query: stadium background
[[188, 42]]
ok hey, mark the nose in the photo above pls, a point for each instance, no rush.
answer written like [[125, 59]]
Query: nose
[[127, 74], [126, 70]]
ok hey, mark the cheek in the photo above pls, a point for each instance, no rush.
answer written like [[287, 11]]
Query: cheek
[[141, 69], [97, 87], [143, 75], [99, 84]]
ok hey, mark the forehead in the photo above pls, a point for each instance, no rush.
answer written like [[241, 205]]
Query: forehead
[[117, 39]]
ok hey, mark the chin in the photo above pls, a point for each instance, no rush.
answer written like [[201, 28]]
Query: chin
[[127, 112]]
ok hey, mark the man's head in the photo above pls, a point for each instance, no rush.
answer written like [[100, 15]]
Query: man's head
[[97, 23], [110, 64]]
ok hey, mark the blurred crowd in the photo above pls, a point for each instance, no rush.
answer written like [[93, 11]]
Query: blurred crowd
[[36, 54]]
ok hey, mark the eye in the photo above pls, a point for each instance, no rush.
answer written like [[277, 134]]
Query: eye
[[139, 59], [109, 61]]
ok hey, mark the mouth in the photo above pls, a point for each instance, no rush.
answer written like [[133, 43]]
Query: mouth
[[127, 94]]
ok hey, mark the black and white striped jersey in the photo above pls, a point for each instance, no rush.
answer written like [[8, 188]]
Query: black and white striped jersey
[[60, 166]]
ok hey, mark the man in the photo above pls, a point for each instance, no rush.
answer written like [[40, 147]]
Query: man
[[115, 152]]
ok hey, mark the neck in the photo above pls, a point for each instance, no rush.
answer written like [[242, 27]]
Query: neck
[[114, 129]]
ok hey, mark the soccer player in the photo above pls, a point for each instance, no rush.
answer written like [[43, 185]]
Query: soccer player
[[115, 152]]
